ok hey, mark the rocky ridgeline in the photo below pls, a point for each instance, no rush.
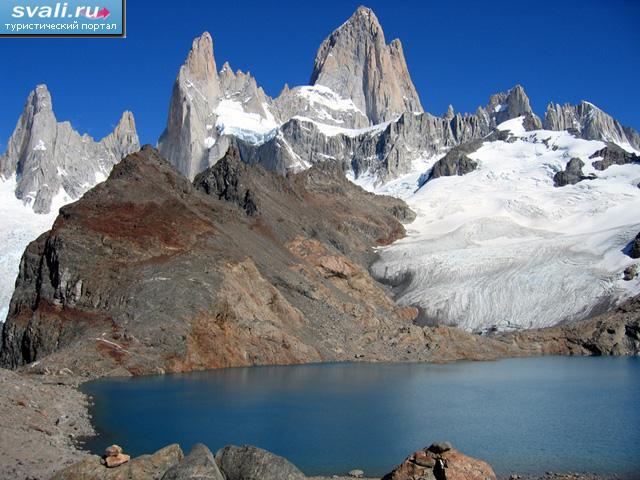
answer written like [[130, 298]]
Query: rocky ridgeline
[[440, 461], [50, 157], [150, 273], [361, 109], [587, 121]]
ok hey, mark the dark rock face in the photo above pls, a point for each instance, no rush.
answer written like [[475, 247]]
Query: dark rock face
[[456, 161], [198, 465], [441, 461], [571, 175], [225, 181], [252, 463], [148, 274], [612, 154], [634, 252]]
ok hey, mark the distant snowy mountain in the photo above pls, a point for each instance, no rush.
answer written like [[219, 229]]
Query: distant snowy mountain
[[48, 164]]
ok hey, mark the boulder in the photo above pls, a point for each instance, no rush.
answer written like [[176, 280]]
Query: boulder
[[441, 461], [252, 463], [630, 272], [440, 447], [145, 467], [356, 473], [198, 465]]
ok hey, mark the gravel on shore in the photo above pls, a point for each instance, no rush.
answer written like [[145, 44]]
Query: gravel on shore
[[40, 419]]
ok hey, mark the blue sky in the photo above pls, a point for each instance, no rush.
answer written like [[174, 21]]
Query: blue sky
[[458, 52]]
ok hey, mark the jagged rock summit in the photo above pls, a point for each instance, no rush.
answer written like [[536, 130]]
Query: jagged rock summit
[[356, 62], [587, 121], [49, 158], [205, 105]]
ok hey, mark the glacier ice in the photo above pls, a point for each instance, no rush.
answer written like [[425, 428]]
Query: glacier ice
[[502, 247]]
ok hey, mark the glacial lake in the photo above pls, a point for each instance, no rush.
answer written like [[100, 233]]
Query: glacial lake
[[531, 415]]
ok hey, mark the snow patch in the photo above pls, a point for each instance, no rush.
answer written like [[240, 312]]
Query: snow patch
[[251, 127]]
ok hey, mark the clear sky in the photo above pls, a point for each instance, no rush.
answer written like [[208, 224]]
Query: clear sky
[[458, 52]]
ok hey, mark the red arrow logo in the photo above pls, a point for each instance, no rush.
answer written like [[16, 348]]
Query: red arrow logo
[[103, 13]]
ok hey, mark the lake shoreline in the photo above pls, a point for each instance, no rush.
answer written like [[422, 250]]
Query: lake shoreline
[[38, 449]]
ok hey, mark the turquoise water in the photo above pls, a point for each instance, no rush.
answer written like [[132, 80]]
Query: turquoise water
[[521, 415]]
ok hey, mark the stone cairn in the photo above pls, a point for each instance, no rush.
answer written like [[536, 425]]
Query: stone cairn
[[113, 456]]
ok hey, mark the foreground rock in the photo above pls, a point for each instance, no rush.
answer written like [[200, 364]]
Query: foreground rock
[[252, 463], [200, 464], [441, 461], [145, 467]]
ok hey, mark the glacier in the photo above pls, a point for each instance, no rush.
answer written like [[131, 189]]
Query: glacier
[[502, 248], [19, 226]]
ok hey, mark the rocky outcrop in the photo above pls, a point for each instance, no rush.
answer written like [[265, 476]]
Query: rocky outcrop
[[145, 467], [200, 464], [613, 333], [385, 151], [589, 122], [356, 63], [456, 161], [572, 174], [441, 461], [50, 158], [148, 273], [612, 154], [252, 463]]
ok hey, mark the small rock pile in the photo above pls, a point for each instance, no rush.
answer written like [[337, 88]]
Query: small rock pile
[[113, 456], [441, 461]]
